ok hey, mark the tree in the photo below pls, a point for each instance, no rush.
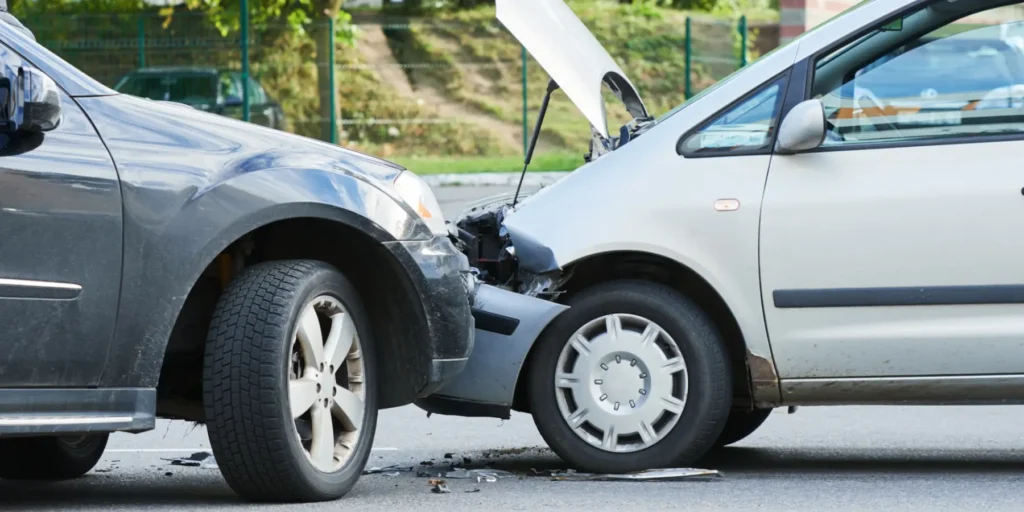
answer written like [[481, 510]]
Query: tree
[[308, 17]]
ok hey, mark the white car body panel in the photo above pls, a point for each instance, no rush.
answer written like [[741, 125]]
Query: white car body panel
[[878, 218], [883, 218], [568, 51], [670, 204]]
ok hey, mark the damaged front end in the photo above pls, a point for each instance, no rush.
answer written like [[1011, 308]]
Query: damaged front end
[[507, 259]]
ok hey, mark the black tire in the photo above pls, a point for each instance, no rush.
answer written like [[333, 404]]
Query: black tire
[[709, 383], [741, 423], [50, 458], [253, 436]]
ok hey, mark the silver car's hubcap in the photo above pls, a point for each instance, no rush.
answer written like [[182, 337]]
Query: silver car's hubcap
[[621, 383], [325, 383]]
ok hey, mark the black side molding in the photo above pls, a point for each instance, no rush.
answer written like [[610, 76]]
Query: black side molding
[[907, 296], [497, 324]]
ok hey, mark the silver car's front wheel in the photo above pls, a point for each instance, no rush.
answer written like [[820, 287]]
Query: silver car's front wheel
[[632, 376], [621, 383]]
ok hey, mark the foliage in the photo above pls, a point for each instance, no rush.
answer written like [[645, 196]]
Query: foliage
[[22, 8], [298, 15]]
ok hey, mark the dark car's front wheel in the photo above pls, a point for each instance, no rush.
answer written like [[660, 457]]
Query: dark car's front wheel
[[50, 458], [290, 389]]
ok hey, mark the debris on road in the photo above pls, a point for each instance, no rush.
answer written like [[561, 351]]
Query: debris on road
[[439, 486], [388, 470], [481, 475], [662, 475], [203, 460]]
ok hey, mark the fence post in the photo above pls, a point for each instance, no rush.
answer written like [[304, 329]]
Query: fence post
[[331, 80], [526, 111], [744, 35], [689, 58], [142, 41], [245, 59]]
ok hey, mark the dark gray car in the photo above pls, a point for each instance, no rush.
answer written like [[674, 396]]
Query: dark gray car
[[209, 89], [160, 261]]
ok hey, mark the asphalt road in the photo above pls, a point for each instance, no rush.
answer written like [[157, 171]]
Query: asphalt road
[[824, 459]]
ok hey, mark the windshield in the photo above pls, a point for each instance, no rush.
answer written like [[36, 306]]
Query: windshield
[[193, 89], [716, 85]]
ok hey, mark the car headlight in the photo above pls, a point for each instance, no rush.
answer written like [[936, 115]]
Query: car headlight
[[417, 194]]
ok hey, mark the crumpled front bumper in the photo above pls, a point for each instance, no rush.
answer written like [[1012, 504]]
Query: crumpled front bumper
[[507, 325], [446, 287]]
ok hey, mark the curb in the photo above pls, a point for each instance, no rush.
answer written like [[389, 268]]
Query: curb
[[493, 179]]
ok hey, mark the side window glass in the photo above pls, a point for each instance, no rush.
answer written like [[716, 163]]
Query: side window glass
[[256, 94], [228, 87], [963, 79], [745, 128]]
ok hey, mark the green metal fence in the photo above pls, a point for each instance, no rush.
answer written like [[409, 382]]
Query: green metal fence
[[439, 88]]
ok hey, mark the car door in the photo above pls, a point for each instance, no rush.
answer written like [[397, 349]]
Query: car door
[[60, 251], [894, 250]]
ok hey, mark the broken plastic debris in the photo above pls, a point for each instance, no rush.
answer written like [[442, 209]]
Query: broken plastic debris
[[652, 475], [439, 486], [388, 469], [481, 475], [203, 460]]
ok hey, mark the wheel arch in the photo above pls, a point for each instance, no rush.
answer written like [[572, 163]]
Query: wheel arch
[[344, 238], [755, 381]]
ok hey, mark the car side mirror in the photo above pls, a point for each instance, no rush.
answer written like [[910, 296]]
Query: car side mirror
[[232, 101], [803, 129], [31, 101]]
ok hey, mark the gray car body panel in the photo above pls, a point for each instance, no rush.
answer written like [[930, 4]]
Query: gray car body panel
[[181, 214], [111, 218], [496, 363]]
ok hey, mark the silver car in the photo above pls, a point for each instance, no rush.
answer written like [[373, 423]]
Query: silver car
[[802, 233]]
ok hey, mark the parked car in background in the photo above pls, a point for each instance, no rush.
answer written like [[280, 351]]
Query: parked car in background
[[204, 88], [774, 241], [160, 261]]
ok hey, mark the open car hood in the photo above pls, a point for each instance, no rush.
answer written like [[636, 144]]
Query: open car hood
[[571, 55]]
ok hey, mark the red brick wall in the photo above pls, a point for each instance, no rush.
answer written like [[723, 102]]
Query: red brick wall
[[797, 16]]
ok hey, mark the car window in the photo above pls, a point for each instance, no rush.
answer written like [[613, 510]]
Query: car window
[[257, 96], [229, 86], [193, 89], [964, 79], [749, 126]]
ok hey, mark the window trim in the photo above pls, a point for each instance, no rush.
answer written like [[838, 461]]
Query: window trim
[[809, 65], [785, 81]]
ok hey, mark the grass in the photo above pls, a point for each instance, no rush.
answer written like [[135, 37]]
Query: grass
[[548, 162], [478, 64]]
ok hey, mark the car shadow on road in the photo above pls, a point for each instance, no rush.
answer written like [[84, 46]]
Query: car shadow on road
[[125, 489], [754, 462]]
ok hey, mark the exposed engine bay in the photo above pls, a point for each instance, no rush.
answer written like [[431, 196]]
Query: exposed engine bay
[[513, 262], [492, 252]]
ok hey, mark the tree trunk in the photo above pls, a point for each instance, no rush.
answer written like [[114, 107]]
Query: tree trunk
[[324, 40]]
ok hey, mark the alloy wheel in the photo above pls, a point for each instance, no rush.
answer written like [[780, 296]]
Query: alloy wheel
[[325, 383]]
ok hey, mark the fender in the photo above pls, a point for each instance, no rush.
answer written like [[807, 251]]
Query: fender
[[151, 301], [615, 208], [229, 178]]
